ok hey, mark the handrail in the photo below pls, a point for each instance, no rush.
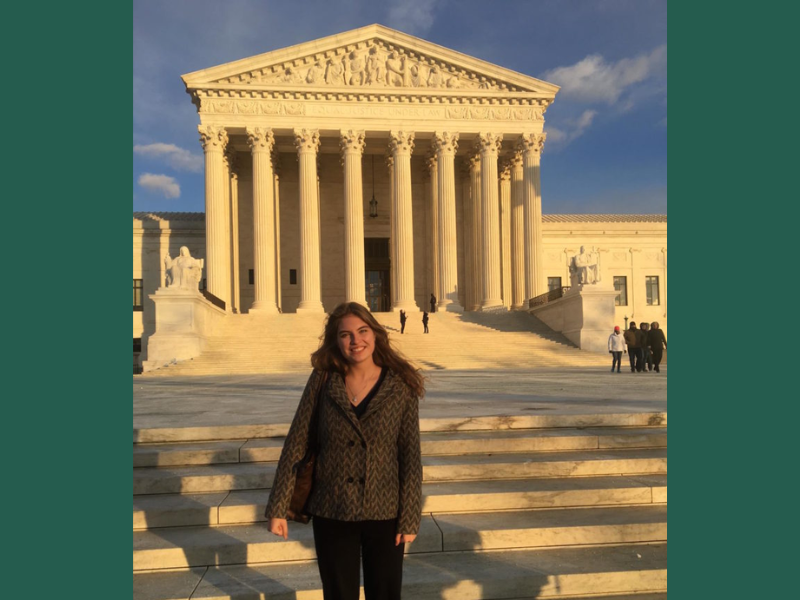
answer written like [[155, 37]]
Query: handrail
[[542, 299], [213, 299]]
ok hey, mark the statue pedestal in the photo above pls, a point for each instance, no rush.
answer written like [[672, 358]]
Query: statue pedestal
[[184, 320], [585, 315]]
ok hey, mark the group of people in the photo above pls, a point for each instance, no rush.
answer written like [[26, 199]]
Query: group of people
[[644, 345], [404, 318]]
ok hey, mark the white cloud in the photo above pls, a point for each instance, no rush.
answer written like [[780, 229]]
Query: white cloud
[[177, 158], [593, 79], [558, 137], [412, 16], [160, 184]]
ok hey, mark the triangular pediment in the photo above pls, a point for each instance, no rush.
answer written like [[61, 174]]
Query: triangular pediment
[[367, 59]]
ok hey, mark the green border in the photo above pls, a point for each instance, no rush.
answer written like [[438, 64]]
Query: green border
[[67, 209]]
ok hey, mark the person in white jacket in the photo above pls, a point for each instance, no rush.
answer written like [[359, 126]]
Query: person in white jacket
[[616, 346]]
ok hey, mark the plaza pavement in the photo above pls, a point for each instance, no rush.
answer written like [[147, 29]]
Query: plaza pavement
[[208, 401]]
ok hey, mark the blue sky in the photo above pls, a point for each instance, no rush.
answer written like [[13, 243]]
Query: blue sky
[[607, 130]]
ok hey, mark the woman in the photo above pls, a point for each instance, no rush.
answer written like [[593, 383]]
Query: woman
[[616, 346], [367, 493]]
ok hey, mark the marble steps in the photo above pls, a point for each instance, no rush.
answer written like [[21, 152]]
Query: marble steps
[[498, 574], [491, 423], [252, 544], [283, 343], [519, 440], [247, 506], [239, 476]]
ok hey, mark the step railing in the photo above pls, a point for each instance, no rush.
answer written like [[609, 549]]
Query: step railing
[[542, 299]]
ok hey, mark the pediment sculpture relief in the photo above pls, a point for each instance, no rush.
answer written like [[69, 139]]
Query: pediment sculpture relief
[[371, 65]]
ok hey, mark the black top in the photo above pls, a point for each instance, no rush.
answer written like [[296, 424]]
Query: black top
[[361, 408]]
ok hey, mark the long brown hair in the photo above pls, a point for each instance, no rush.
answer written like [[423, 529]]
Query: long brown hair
[[329, 358]]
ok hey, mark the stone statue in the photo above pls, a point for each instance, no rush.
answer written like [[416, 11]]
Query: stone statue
[[356, 67], [183, 272], [316, 74], [290, 75], [335, 73], [374, 68], [584, 268], [396, 70]]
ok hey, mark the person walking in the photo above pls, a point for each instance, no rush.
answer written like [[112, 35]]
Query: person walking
[[362, 400], [616, 346], [425, 321], [402, 321], [647, 360], [658, 343], [632, 339], [433, 303]]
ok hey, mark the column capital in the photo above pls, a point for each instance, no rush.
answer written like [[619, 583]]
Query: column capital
[[260, 139], [213, 138], [515, 160], [475, 162], [431, 161], [444, 142], [306, 141], [504, 168], [531, 142], [352, 141], [389, 160], [401, 142], [489, 143], [230, 158]]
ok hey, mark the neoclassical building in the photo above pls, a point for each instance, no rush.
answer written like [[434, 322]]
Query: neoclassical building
[[375, 167]]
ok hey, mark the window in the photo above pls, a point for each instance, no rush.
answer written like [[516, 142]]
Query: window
[[137, 345], [293, 276], [621, 285], [651, 285], [553, 283], [137, 294], [252, 275]]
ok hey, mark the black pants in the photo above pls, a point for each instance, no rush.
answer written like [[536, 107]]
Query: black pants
[[647, 361], [426, 327], [635, 355], [658, 354], [340, 547], [616, 359]]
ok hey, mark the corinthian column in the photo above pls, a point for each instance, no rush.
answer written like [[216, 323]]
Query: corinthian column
[[276, 192], [469, 253], [261, 142], [433, 222], [307, 143], [401, 144], [214, 141], [517, 234], [505, 231], [531, 145], [475, 233], [232, 178], [352, 144], [446, 145], [490, 226]]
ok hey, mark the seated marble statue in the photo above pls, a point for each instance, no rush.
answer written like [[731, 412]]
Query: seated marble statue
[[584, 268], [183, 272]]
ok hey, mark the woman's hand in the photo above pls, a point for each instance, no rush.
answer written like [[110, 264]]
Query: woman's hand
[[405, 538], [279, 527]]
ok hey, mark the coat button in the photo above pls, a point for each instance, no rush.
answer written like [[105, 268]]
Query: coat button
[[361, 481], [351, 443], [349, 480], [363, 444]]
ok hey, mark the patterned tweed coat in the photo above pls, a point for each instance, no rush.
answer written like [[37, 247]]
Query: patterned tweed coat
[[367, 469]]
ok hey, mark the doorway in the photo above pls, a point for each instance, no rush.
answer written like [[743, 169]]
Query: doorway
[[378, 268]]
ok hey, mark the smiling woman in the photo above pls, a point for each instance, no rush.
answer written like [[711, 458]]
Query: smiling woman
[[361, 410]]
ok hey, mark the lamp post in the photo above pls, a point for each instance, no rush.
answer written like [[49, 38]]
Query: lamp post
[[626, 321]]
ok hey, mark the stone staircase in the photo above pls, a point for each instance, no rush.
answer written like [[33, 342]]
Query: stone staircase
[[556, 506], [249, 344]]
